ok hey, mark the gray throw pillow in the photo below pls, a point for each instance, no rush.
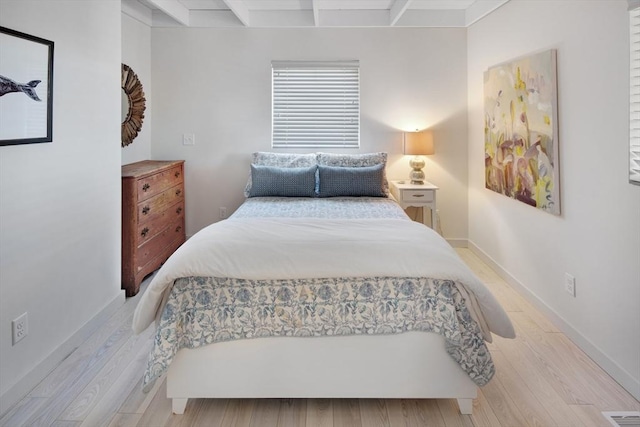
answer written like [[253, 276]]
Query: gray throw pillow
[[356, 160], [281, 160], [271, 181], [336, 181]]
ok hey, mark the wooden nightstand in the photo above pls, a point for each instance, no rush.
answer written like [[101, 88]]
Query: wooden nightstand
[[421, 196]]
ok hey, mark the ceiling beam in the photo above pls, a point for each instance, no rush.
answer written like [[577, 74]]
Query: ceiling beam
[[316, 12], [172, 8], [480, 9], [137, 11], [355, 18], [397, 10], [240, 10]]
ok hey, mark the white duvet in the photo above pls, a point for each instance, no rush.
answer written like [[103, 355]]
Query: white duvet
[[299, 248]]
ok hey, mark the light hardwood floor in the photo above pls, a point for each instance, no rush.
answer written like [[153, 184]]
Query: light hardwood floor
[[542, 379]]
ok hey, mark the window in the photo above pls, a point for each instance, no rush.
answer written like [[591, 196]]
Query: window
[[634, 95], [315, 104]]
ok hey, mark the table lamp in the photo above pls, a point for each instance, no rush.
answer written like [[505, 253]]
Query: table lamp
[[418, 144]]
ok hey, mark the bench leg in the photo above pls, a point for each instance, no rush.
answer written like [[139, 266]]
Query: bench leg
[[466, 406], [178, 406]]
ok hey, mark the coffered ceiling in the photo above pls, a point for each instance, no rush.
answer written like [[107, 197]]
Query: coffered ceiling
[[309, 13]]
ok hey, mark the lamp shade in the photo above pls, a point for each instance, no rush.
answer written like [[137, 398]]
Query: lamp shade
[[418, 143]]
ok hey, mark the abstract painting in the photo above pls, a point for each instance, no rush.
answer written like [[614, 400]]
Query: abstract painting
[[521, 130], [26, 88]]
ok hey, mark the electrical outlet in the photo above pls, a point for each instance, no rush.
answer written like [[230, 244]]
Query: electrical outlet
[[188, 139], [223, 213], [570, 284], [19, 328]]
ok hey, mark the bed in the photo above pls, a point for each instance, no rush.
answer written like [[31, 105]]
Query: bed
[[319, 297]]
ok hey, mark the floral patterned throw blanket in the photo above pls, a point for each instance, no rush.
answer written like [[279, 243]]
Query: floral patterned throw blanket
[[206, 310]]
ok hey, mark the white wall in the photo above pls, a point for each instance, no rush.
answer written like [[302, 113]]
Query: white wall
[[597, 237], [60, 201], [136, 53], [216, 83]]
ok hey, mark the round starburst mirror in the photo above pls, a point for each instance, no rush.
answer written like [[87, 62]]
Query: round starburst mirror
[[133, 105]]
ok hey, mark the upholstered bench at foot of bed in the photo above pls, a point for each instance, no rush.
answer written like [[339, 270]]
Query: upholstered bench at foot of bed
[[413, 365]]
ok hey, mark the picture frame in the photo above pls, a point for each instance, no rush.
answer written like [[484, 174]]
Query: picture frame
[[26, 88], [521, 130]]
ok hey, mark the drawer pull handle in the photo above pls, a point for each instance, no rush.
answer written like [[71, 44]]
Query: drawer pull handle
[[178, 228], [145, 187], [178, 192], [177, 174], [145, 210], [178, 210], [144, 232], [418, 195]]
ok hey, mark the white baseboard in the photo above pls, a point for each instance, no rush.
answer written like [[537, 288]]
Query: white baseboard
[[626, 380], [458, 243], [41, 370]]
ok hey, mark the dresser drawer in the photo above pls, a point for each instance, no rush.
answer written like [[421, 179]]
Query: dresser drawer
[[156, 184], [150, 207], [417, 196], [157, 244], [158, 222]]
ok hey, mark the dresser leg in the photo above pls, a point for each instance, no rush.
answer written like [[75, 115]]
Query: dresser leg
[[130, 286]]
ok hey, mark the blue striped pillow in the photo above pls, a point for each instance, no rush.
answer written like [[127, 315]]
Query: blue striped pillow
[[336, 181], [271, 181]]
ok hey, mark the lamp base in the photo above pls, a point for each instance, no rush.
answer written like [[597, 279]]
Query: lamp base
[[417, 176]]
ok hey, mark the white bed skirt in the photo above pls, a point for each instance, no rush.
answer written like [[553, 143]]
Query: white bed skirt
[[412, 365]]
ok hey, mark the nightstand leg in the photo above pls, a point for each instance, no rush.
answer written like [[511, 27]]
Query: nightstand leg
[[424, 216], [434, 218]]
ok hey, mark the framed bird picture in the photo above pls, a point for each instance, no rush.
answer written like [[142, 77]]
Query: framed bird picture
[[26, 88]]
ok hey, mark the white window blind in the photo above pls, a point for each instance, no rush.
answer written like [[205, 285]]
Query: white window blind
[[634, 95], [316, 104]]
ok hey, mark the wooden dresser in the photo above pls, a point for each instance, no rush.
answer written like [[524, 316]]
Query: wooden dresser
[[152, 218]]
